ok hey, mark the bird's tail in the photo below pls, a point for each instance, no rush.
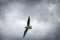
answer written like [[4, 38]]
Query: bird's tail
[[23, 36]]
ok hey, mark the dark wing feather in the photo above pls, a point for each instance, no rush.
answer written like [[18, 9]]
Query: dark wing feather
[[28, 21], [25, 32]]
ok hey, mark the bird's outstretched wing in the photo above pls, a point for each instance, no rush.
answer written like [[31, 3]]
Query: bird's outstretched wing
[[28, 21], [25, 32]]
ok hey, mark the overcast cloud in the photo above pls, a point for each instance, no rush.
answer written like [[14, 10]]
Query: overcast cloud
[[44, 14]]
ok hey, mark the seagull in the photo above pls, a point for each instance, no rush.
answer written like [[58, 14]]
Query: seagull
[[27, 27]]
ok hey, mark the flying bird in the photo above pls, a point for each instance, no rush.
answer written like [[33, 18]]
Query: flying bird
[[27, 27]]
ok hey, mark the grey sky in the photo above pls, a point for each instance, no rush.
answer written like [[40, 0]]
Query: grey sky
[[45, 19]]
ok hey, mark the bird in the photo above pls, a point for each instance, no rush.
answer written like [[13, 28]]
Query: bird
[[27, 27]]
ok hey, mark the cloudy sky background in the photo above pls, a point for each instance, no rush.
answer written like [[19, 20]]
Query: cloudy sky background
[[44, 14]]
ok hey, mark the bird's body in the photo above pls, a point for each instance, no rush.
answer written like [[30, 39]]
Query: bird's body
[[27, 27]]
